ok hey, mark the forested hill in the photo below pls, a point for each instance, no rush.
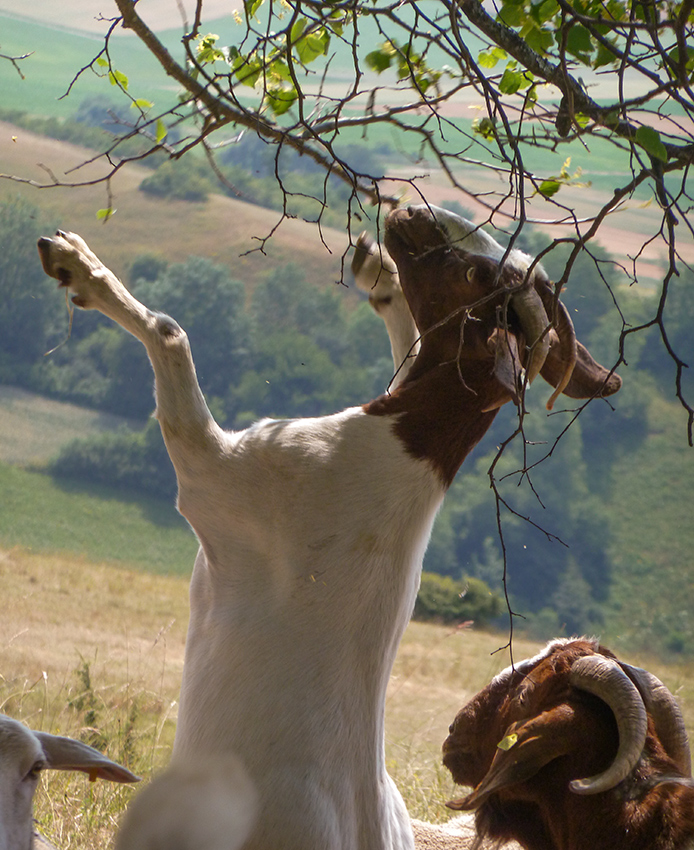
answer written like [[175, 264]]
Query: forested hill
[[609, 542]]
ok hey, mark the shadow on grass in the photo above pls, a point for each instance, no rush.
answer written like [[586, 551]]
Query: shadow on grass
[[159, 511]]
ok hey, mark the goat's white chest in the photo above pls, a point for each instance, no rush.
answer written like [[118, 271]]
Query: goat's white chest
[[313, 539], [303, 500]]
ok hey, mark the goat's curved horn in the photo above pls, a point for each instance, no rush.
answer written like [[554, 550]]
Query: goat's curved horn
[[535, 324], [568, 352], [666, 714], [604, 678]]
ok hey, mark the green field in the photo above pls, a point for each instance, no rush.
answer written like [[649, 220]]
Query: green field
[[57, 56], [92, 522]]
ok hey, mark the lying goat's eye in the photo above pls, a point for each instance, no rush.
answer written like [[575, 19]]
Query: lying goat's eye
[[35, 771]]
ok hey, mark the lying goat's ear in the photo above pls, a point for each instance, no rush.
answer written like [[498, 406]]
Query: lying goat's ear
[[588, 378], [525, 749]]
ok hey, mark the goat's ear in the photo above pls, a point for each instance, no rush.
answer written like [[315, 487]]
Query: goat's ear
[[525, 749], [507, 366], [68, 754], [588, 379]]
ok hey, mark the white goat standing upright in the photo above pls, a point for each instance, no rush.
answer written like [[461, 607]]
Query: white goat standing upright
[[24, 755], [312, 534]]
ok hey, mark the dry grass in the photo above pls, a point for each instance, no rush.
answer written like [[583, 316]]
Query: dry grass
[[96, 652]]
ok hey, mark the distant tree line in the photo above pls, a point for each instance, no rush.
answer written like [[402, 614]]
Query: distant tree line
[[292, 349]]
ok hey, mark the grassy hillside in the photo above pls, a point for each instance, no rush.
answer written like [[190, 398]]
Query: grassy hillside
[[58, 53], [222, 229], [92, 523], [653, 536], [33, 428], [90, 648], [648, 510]]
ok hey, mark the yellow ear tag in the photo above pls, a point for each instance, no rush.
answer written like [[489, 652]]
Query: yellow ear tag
[[508, 742]]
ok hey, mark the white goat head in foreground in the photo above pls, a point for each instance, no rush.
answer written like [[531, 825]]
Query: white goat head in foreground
[[312, 534], [24, 755], [575, 750]]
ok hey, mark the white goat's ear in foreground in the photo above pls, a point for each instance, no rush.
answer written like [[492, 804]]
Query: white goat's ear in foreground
[[24, 754], [204, 804]]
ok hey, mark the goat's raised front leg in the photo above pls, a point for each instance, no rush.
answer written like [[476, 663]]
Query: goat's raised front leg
[[185, 420]]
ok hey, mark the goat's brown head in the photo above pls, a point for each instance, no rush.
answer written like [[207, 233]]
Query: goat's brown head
[[570, 710], [472, 308]]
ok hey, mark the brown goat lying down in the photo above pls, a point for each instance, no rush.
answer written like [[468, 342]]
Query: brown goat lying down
[[575, 750]]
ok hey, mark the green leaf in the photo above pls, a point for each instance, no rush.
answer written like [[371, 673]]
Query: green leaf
[[206, 49], [579, 42], [101, 62], [280, 100], [161, 131], [380, 60], [649, 140], [141, 103], [278, 71], [549, 188], [489, 58], [531, 96], [512, 14], [544, 10], [617, 10], [105, 214], [674, 56], [510, 82], [252, 6], [604, 56], [337, 22], [312, 46], [118, 79], [484, 127], [298, 29], [247, 69], [540, 40]]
